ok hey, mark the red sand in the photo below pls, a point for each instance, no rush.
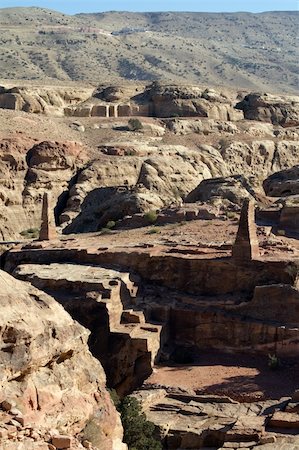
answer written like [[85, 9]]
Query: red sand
[[244, 378]]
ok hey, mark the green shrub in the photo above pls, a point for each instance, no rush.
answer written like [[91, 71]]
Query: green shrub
[[273, 362], [135, 124], [138, 432], [31, 233], [151, 216], [231, 215], [154, 230], [111, 224]]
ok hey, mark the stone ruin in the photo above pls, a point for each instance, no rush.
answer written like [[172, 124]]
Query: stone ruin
[[48, 229], [246, 245]]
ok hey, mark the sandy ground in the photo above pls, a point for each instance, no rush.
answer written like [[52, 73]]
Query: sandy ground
[[242, 377]]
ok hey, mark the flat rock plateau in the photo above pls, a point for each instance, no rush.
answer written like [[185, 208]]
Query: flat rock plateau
[[149, 229]]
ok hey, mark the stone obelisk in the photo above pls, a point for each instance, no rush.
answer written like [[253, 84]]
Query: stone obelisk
[[246, 246], [47, 229]]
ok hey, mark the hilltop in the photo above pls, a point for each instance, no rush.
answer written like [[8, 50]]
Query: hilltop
[[253, 51]]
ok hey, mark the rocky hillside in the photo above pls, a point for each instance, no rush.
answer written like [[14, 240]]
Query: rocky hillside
[[256, 51]]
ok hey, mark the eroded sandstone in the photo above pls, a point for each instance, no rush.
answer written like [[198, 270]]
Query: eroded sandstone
[[49, 380]]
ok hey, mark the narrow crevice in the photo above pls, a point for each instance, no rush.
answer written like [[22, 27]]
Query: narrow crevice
[[65, 195]]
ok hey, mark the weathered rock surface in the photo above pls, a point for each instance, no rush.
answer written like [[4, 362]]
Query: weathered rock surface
[[133, 176], [283, 183], [27, 170], [200, 312], [49, 380], [271, 108], [110, 189], [190, 421], [258, 159], [44, 100], [234, 189], [169, 101]]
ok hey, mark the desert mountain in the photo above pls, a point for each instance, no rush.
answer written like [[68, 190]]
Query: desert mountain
[[256, 51]]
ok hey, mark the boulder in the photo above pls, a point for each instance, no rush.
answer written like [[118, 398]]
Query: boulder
[[279, 110], [283, 183], [234, 189]]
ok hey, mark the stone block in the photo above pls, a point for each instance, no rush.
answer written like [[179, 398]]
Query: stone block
[[62, 441]]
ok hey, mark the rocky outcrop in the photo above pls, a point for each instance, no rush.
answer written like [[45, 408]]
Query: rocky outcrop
[[50, 383], [283, 183], [27, 170], [186, 101], [190, 421], [234, 189], [201, 126], [90, 188], [258, 159], [187, 298], [51, 100], [110, 189], [282, 110]]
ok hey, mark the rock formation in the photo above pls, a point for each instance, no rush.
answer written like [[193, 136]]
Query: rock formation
[[186, 310], [282, 110], [43, 100], [125, 174], [50, 383], [47, 229], [246, 246], [27, 169], [283, 183], [191, 421], [234, 189], [104, 301]]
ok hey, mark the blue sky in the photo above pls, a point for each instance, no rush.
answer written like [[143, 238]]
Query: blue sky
[[75, 6]]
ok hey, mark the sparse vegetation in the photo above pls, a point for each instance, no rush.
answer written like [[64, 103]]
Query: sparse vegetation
[[106, 231], [31, 233], [111, 224], [135, 125], [273, 362], [146, 58], [151, 217], [154, 230]]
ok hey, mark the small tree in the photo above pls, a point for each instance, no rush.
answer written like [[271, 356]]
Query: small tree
[[138, 432], [135, 124]]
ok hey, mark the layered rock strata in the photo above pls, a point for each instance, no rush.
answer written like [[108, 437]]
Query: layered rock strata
[[191, 421]]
